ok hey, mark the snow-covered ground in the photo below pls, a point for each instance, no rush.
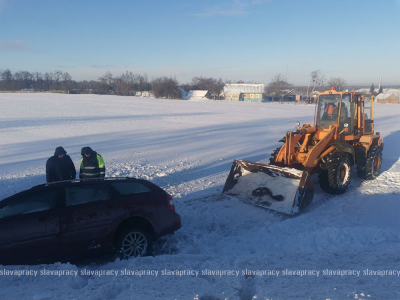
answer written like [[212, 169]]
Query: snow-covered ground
[[187, 148]]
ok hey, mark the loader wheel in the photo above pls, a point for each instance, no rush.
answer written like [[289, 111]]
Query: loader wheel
[[371, 167], [274, 154], [336, 178]]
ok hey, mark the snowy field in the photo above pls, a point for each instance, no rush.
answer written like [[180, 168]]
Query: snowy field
[[187, 148]]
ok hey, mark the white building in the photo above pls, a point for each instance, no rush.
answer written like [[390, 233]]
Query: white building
[[233, 91]]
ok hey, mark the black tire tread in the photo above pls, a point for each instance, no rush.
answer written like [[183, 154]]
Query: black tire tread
[[328, 178], [274, 154], [365, 168]]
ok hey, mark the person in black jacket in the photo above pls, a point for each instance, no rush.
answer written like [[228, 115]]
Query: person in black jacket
[[60, 166], [92, 164]]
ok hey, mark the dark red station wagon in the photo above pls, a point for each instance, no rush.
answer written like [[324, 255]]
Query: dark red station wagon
[[72, 219]]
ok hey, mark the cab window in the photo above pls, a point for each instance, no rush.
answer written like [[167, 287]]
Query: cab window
[[328, 110], [346, 112]]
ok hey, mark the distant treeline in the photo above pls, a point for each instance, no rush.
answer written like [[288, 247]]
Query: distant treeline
[[128, 84]]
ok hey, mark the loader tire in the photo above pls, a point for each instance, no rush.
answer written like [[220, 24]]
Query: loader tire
[[336, 178], [274, 154], [370, 167]]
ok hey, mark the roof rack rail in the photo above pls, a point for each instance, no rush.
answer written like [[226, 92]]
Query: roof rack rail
[[82, 180]]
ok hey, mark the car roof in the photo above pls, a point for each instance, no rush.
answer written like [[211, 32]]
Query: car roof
[[80, 182], [88, 180]]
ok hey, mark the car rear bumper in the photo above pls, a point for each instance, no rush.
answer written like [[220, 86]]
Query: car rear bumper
[[173, 225]]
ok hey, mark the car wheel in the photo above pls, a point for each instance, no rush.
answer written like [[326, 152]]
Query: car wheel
[[134, 241]]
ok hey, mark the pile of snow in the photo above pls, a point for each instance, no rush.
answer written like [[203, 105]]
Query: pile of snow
[[340, 247]]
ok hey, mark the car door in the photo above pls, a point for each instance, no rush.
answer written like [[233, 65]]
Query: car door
[[138, 200], [29, 226], [86, 219]]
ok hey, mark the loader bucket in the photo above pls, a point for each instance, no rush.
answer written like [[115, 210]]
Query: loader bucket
[[284, 190]]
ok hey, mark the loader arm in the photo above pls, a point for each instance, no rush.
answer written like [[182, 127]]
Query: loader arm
[[320, 149]]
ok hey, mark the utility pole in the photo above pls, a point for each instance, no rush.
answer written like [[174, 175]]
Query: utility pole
[[287, 68]]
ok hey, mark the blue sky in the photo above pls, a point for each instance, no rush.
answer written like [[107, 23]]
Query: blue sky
[[251, 40]]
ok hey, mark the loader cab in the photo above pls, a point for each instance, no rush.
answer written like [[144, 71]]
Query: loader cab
[[366, 111], [335, 109], [351, 111]]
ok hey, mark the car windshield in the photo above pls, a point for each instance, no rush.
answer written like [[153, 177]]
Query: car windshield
[[328, 109]]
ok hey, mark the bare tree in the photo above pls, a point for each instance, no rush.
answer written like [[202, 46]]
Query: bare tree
[[19, 80], [66, 81], [214, 86], [105, 83], [277, 86], [166, 87], [48, 80], [317, 79], [125, 84], [338, 82], [6, 76], [7, 80], [38, 81], [57, 78], [142, 83]]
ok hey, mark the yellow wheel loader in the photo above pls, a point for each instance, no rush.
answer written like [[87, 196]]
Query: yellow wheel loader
[[342, 136]]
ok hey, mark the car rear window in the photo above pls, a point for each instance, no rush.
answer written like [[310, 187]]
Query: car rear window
[[86, 194], [30, 203], [130, 188]]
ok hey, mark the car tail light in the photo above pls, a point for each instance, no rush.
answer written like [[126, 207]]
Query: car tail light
[[170, 202]]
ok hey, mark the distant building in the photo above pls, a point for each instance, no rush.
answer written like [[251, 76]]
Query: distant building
[[144, 94], [387, 98], [244, 92], [252, 97], [368, 91], [197, 94], [232, 96], [291, 95], [271, 99]]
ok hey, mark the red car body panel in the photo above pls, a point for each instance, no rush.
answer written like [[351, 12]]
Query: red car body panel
[[69, 230]]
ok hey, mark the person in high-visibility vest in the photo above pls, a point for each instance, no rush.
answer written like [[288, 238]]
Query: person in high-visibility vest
[[92, 164]]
